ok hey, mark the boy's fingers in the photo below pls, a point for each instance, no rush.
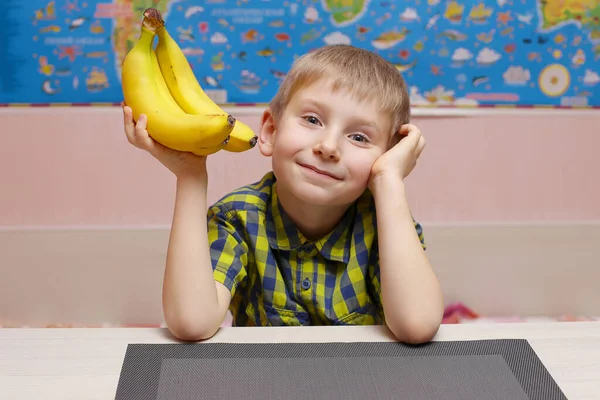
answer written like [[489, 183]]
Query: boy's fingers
[[142, 136], [128, 122], [140, 127], [410, 131], [406, 129], [420, 146], [127, 116]]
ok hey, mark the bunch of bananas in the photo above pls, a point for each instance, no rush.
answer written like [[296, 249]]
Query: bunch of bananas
[[161, 84]]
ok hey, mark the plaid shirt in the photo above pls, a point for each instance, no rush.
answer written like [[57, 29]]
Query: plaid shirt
[[278, 277]]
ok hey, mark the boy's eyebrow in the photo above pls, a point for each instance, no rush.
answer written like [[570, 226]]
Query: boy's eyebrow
[[316, 103], [360, 121], [355, 120]]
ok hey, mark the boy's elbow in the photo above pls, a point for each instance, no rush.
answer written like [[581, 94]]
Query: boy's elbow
[[192, 331], [192, 335], [419, 332]]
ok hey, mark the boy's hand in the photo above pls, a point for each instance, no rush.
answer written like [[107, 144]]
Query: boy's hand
[[178, 162], [399, 161]]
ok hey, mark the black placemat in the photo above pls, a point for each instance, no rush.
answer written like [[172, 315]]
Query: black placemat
[[449, 370]]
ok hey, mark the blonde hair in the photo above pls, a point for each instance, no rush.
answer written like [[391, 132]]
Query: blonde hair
[[363, 73]]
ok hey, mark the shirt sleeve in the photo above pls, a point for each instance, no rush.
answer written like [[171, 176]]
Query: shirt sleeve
[[374, 271], [228, 251], [419, 230]]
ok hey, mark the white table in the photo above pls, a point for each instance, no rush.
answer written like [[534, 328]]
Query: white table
[[70, 363]]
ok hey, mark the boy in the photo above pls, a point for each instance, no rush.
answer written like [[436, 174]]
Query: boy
[[304, 246]]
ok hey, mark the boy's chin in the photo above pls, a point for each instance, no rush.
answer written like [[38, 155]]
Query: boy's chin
[[324, 197]]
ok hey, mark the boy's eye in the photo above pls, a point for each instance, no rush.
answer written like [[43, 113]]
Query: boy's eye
[[311, 119], [359, 138]]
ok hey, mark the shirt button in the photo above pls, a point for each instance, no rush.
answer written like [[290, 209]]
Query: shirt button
[[306, 284]]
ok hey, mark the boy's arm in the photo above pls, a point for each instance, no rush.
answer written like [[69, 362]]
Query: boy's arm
[[412, 299], [194, 304], [410, 292]]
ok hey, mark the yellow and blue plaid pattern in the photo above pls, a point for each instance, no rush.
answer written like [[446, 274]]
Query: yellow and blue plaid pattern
[[278, 277]]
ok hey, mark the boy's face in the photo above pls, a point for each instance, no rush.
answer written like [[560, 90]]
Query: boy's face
[[325, 144]]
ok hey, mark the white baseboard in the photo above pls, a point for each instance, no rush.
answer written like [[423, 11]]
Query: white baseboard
[[114, 276]]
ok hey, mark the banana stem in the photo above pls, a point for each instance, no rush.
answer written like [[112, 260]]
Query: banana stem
[[152, 19]]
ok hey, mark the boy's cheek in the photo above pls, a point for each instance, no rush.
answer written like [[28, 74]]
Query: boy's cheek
[[363, 171]]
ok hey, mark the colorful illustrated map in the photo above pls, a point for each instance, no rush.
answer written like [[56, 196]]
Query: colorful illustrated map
[[525, 53]]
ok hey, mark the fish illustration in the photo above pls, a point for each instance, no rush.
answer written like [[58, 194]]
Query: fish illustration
[[193, 10], [210, 81], [241, 55], [77, 22], [192, 51], [185, 34], [96, 54], [432, 21], [405, 67], [452, 34], [282, 36], [64, 71], [278, 74], [510, 48], [525, 18], [361, 30], [267, 52], [486, 37], [309, 36], [479, 80], [389, 39], [50, 28], [251, 35]]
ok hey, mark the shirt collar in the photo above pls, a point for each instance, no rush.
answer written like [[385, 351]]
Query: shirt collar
[[284, 235]]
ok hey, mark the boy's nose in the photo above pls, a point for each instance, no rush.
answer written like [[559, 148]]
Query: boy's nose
[[327, 148]]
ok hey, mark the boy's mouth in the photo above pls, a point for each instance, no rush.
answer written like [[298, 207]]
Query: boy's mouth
[[320, 171]]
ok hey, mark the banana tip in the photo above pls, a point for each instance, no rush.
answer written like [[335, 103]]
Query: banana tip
[[253, 141], [231, 120]]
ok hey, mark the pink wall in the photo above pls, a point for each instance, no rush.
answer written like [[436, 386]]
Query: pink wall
[[73, 167]]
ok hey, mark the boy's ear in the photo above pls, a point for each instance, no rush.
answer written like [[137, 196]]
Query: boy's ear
[[266, 136]]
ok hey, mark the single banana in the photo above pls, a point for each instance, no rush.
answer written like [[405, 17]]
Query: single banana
[[187, 91], [242, 138], [161, 85], [168, 124], [179, 76], [206, 151]]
